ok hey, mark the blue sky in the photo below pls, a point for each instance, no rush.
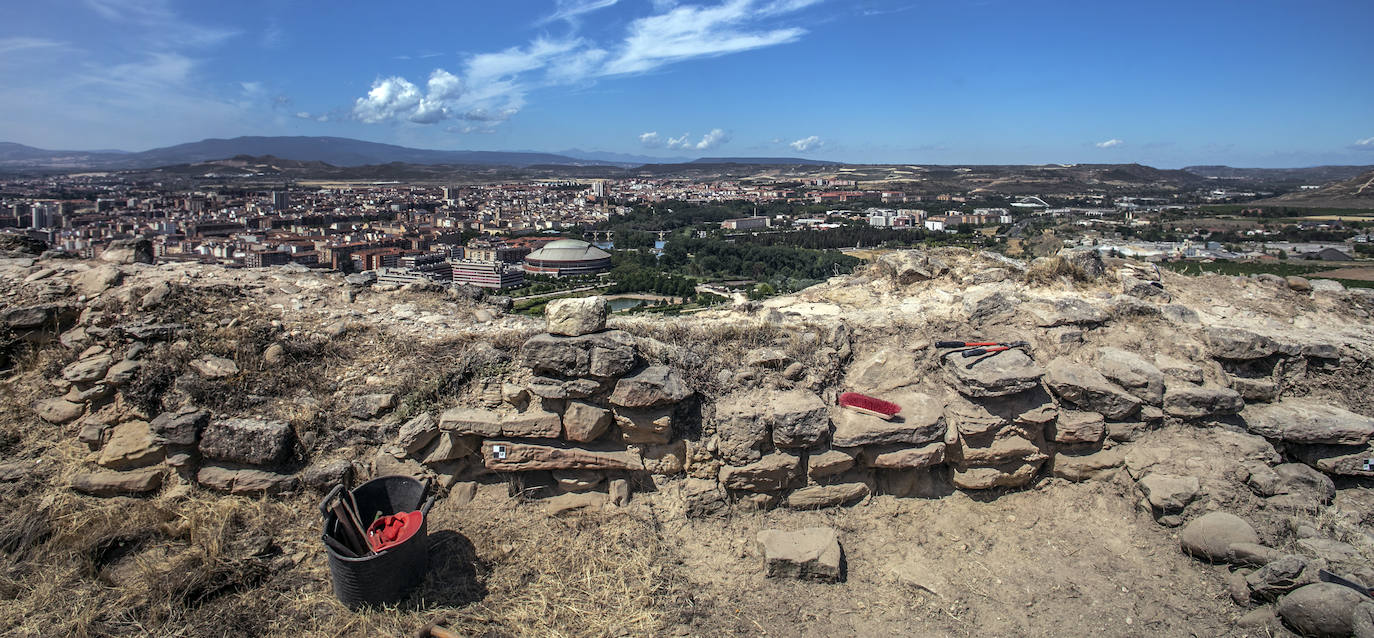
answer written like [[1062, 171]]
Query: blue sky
[[1256, 83]]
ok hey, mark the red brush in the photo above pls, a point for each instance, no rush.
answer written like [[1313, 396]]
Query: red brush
[[869, 405]]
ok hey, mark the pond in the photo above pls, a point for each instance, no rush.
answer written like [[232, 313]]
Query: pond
[[624, 304]]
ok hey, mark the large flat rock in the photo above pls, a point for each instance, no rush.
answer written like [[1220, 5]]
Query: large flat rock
[[812, 553], [1089, 389], [999, 374], [523, 456], [1309, 422], [249, 441], [920, 421]]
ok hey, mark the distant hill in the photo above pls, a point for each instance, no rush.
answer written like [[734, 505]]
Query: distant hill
[[1307, 175], [771, 161], [337, 151], [1357, 192]]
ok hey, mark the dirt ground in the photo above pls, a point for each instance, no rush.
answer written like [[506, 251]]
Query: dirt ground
[[1358, 274]]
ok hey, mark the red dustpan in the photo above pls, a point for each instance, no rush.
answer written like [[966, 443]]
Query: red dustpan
[[390, 531]]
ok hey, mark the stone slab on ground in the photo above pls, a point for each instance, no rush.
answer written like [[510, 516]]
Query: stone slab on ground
[[1210, 536], [1309, 422], [811, 553], [118, 483]]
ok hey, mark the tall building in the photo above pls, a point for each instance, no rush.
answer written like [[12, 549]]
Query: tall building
[[281, 200]]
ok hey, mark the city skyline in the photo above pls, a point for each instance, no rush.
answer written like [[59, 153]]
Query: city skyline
[[1172, 84]]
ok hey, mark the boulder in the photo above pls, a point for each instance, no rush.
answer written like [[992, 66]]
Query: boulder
[[371, 406], [131, 445], [1031, 408], [1210, 536], [981, 305], [212, 367], [742, 426], [181, 427], [1340, 460], [906, 267], [798, 418], [901, 457], [1067, 311], [118, 483], [245, 481], [882, 371], [1085, 467], [1296, 477], [128, 251], [1077, 427], [447, 446], [1189, 401], [828, 463], [1014, 474], [1179, 369], [89, 369], [1326, 610], [1251, 554], [920, 421], [1298, 284], [120, 374], [603, 355], [998, 450], [1237, 344], [1088, 389], [812, 553], [417, 433], [324, 475], [1309, 422], [651, 387], [517, 456], [584, 422], [248, 441], [58, 411], [534, 422], [663, 460], [645, 425], [98, 280], [703, 498], [576, 317], [1280, 575], [1000, 374], [1168, 494], [551, 388], [1132, 372], [1255, 389], [819, 496], [769, 474]]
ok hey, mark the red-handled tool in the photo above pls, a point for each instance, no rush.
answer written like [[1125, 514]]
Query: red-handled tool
[[994, 348]]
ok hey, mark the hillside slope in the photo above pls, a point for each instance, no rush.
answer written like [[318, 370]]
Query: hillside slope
[[1038, 492]]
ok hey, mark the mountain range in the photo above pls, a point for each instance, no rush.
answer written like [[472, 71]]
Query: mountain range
[[336, 151]]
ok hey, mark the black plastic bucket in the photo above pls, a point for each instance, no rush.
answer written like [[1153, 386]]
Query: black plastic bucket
[[388, 576]]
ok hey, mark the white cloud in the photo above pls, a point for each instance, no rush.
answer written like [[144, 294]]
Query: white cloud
[[650, 139], [1366, 144], [570, 10], [13, 45], [807, 143], [497, 82], [159, 17], [687, 32], [709, 141], [1111, 143]]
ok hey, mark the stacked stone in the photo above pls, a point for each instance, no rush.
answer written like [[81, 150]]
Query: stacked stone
[[998, 421], [590, 417]]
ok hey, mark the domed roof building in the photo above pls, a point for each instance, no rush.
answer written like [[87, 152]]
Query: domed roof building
[[568, 258]]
